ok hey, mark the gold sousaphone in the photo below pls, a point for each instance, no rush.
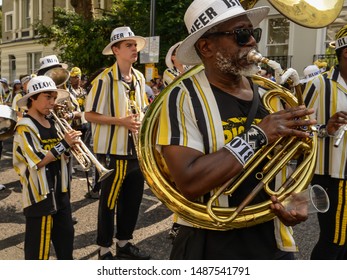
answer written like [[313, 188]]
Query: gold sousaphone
[[277, 155], [307, 13]]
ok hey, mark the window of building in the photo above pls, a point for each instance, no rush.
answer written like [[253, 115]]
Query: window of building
[[12, 67], [9, 21], [26, 11], [278, 38], [33, 61]]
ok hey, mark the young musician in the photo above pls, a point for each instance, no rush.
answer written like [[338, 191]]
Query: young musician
[[113, 127], [40, 159]]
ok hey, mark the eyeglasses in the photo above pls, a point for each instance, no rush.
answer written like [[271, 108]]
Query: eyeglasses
[[242, 36]]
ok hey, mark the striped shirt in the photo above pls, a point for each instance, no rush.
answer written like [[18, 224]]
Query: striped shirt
[[190, 117], [327, 94], [28, 151], [109, 96], [169, 75]]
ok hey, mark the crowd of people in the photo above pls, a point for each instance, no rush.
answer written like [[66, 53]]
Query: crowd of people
[[213, 116]]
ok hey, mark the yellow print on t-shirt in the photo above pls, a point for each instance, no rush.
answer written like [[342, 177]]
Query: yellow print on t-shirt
[[48, 144], [235, 126]]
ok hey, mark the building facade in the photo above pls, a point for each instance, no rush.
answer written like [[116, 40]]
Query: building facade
[[296, 46], [20, 52]]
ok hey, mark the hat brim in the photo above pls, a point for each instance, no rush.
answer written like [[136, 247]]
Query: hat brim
[[186, 53], [62, 94], [63, 65], [140, 41], [306, 80], [168, 60]]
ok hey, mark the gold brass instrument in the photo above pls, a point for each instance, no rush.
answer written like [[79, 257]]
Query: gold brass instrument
[[303, 12], [133, 108], [59, 75], [283, 152], [278, 155], [80, 151], [8, 120]]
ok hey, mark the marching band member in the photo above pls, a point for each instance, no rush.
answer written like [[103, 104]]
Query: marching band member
[[24, 80], [206, 116], [40, 159], [78, 99], [6, 91], [174, 67], [113, 127], [327, 94]]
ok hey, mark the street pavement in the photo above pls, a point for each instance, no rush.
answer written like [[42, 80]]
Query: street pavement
[[151, 234]]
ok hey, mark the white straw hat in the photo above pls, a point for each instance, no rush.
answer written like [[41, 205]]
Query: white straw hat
[[310, 72], [122, 34], [41, 84], [51, 60], [202, 15], [168, 60]]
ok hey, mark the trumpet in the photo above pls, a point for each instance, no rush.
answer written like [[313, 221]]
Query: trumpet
[[134, 109], [80, 151]]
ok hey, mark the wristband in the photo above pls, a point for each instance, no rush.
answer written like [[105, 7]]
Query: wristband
[[246, 144], [255, 137], [60, 148]]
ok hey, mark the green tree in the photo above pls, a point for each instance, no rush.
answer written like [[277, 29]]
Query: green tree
[[169, 24], [80, 39]]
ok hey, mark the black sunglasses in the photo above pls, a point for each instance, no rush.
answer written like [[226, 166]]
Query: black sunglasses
[[241, 35]]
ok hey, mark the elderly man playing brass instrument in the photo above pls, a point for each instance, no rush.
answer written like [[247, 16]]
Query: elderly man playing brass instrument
[[204, 137]]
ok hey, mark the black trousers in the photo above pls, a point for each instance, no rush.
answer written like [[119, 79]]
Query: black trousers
[[332, 243], [237, 244], [41, 230], [123, 189]]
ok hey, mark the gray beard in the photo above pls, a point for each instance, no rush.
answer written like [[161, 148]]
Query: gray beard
[[228, 64]]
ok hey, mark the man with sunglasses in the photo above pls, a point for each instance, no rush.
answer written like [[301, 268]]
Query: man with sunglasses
[[205, 117]]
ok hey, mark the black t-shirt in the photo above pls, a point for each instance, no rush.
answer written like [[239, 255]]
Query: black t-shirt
[[256, 242], [49, 138], [234, 116]]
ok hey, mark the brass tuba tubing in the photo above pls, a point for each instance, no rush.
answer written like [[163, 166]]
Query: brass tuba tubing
[[80, 151], [214, 216]]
